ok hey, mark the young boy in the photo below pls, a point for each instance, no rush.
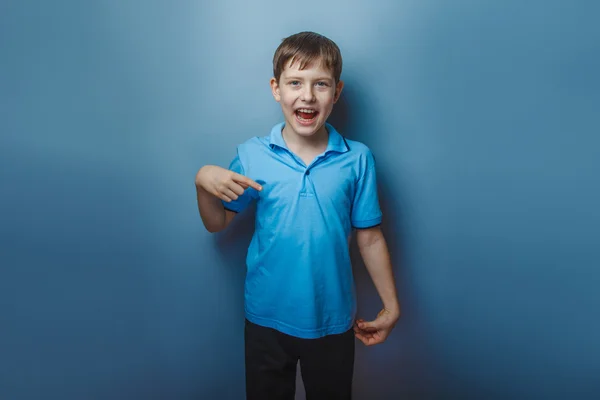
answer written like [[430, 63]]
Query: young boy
[[312, 187]]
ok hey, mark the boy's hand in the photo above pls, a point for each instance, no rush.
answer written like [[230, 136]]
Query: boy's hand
[[377, 331], [223, 183]]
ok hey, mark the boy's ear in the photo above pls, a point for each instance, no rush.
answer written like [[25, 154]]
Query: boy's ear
[[275, 89], [338, 91]]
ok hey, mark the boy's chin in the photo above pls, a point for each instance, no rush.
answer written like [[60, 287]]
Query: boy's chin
[[307, 131]]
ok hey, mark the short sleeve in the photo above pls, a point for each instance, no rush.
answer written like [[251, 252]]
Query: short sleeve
[[245, 199], [366, 212]]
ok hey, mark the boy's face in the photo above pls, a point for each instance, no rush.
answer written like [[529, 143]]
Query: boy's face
[[306, 96]]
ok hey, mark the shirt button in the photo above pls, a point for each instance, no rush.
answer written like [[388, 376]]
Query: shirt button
[[307, 172]]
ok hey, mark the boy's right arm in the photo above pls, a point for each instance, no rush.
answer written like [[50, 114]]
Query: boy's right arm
[[214, 184]]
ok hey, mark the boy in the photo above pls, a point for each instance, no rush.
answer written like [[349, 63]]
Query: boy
[[311, 187]]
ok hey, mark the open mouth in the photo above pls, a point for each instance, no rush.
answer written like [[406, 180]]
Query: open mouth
[[306, 115]]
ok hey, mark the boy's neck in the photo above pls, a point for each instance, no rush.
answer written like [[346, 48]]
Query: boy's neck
[[317, 142]]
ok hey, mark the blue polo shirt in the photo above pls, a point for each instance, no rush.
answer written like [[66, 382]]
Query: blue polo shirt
[[299, 277]]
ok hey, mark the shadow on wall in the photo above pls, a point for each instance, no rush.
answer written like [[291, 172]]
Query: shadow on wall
[[340, 116], [395, 366]]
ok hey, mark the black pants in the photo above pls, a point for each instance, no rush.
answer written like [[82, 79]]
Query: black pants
[[326, 365]]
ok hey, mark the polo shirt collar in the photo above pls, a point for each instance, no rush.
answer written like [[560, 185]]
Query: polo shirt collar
[[336, 141]]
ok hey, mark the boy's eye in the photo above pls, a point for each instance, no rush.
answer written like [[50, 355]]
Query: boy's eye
[[294, 83], [322, 84]]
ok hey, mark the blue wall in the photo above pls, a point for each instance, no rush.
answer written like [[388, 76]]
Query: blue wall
[[483, 117]]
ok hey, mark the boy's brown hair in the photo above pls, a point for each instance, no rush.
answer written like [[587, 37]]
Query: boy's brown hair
[[306, 47]]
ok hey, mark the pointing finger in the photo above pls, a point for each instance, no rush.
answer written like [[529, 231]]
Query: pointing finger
[[237, 188], [241, 179]]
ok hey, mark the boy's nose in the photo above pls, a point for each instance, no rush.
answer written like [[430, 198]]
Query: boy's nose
[[308, 95]]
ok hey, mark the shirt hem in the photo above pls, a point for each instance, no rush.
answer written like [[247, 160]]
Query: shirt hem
[[366, 224], [230, 208], [298, 332]]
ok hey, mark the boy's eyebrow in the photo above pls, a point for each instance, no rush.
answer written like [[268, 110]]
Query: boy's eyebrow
[[317, 79]]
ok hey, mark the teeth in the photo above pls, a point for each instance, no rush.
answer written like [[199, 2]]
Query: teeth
[[305, 110]]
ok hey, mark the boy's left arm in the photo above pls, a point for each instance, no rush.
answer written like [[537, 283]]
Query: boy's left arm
[[374, 251]]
